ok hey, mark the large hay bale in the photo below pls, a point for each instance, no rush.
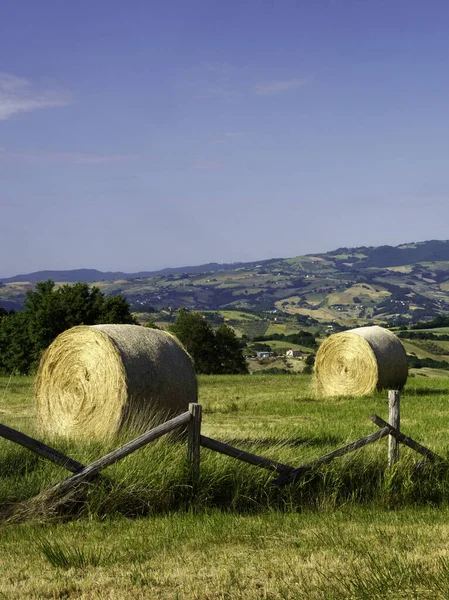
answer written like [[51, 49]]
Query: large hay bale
[[94, 381], [359, 361]]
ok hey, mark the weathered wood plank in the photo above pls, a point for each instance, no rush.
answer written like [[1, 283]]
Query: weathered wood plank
[[194, 440], [40, 448], [394, 419], [327, 458], [404, 439], [252, 459], [109, 459]]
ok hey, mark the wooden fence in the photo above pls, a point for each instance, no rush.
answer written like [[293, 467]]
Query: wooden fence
[[192, 419]]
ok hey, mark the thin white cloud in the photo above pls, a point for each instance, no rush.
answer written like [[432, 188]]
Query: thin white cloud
[[234, 133], [273, 88], [19, 95]]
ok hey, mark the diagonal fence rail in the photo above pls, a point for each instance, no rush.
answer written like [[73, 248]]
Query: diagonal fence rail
[[82, 473], [327, 458], [40, 449], [112, 457], [193, 419]]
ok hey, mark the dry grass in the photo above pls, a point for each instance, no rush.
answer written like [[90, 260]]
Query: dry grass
[[219, 556], [363, 291]]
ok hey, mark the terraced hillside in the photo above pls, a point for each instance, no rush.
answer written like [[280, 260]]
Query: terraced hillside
[[350, 286]]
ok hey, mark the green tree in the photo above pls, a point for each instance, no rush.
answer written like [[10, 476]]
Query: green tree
[[260, 347], [50, 311], [212, 352], [151, 324], [198, 338], [80, 304], [44, 315], [16, 352], [116, 310], [309, 362], [229, 351]]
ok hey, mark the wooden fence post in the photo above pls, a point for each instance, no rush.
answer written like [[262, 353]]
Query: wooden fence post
[[194, 440], [90, 471], [395, 421]]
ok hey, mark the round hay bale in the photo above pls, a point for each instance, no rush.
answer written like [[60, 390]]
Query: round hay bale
[[359, 361], [94, 381]]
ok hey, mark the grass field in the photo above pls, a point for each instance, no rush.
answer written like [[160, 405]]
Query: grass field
[[276, 328], [429, 372], [319, 313], [363, 291], [436, 330], [238, 315], [411, 347], [279, 345], [352, 529]]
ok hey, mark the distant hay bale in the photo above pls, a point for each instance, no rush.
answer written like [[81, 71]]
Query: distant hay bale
[[94, 381], [359, 361]]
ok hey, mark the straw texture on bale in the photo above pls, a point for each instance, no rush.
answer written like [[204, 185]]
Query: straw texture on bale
[[359, 361], [94, 381]]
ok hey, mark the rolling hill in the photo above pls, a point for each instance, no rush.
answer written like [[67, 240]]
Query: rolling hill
[[351, 286]]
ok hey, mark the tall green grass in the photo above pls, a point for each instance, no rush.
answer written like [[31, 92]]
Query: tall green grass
[[267, 415], [352, 529]]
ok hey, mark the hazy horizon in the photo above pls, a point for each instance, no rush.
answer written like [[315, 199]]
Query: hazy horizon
[[199, 264], [144, 136]]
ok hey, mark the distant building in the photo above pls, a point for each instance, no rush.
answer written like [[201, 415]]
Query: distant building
[[296, 354], [263, 354]]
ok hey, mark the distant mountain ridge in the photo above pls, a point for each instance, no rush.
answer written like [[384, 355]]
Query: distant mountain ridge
[[93, 275], [353, 286], [374, 256], [395, 256]]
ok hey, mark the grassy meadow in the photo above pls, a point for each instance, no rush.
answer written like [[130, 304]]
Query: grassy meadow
[[352, 529]]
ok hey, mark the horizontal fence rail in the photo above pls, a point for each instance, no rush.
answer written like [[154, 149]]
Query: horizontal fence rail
[[252, 459], [193, 418]]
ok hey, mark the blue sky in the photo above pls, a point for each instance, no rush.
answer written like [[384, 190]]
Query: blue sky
[[144, 135]]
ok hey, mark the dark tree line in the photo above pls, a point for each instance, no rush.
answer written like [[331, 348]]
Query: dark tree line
[[24, 335], [422, 335], [302, 338], [418, 363], [438, 321]]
